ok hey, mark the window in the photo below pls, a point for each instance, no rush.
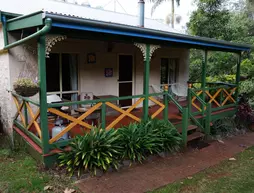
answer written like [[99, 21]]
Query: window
[[62, 75], [169, 70]]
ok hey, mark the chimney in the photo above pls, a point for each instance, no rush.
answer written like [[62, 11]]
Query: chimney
[[141, 14]]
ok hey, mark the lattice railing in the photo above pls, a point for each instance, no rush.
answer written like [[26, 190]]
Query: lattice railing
[[25, 115], [219, 97]]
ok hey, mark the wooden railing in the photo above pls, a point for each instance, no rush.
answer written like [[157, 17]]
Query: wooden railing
[[220, 97], [26, 119], [101, 105]]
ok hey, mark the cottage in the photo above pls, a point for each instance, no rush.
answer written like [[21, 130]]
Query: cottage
[[101, 68]]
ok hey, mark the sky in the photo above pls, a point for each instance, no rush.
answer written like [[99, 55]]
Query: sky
[[131, 7]]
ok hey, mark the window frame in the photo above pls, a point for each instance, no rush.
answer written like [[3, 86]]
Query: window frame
[[61, 92]]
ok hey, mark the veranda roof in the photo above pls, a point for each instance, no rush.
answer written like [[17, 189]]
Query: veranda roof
[[136, 34]]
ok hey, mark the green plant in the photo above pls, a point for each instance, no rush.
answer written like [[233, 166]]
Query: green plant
[[168, 135], [148, 137], [95, 150], [138, 141], [26, 82]]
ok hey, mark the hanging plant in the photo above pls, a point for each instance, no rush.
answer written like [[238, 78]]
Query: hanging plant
[[26, 87]]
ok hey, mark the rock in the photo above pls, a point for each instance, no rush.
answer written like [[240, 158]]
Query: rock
[[162, 154], [232, 159], [181, 182], [220, 141], [99, 173], [84, 176], [189, 178], [48, 188], [127, 162], [67, 190]]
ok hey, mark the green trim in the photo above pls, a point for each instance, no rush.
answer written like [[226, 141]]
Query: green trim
[[197, 122], [60, 144], [176, 103], [238, 73], [93, 101], [156, 94], [6, 39], [103, 115], [28, 133], [26, 99], [43, 31], [224, 107], [26, 115], [43, 94], [185, 120], [165, 99], [25, 21], [208, 119], [146, 83]]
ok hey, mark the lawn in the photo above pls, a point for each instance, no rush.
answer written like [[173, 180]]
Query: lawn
[[229, 176], [21, 173]]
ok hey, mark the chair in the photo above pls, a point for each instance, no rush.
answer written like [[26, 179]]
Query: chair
[[84, 96]]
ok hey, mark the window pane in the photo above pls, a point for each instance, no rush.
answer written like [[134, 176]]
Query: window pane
[[69, 72], [164, 71], [52, 70]]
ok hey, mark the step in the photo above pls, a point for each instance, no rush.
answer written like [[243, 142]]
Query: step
[[190, 128], [195, 135]]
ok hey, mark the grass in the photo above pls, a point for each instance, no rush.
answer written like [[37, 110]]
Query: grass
[[19, 172], [229, 176]]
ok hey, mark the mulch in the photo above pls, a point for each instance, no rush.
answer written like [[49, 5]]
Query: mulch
[[160, 171]]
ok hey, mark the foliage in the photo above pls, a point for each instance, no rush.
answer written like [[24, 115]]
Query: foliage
[[210, 20], [244, 114], [224, 127], [149, 137], [138, 141], [26, 82], [167, 133], [101, 149], [157, 3], [95, 150]]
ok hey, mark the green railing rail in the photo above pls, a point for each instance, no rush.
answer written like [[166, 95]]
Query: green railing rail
[[104, 102]]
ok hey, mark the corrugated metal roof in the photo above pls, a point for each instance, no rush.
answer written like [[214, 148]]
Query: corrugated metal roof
[[79, 11]]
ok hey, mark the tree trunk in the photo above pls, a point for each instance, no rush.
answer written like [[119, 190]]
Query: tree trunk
[[173, 13]]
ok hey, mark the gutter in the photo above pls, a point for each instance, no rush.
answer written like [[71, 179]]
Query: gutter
[[108, 25], [43, 31]]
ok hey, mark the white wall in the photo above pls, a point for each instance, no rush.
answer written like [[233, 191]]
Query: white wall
[[22, 62], [91, 76], [5, 97]]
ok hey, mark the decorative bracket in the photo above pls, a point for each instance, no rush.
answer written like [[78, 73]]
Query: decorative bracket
[[51, 40], [142, 48]]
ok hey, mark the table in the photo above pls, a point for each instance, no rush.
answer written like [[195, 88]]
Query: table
[[105, 96], [90, 117]]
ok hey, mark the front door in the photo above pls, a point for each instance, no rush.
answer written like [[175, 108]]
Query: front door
[[125, 72]]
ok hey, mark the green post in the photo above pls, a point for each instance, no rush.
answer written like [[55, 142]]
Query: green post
[[189, 99], [165, 97], [103, 115], [238, 74], [43, 97], [146, 83], [203, 81], [185, 119], [208, 119], [6, 42], [26, 115]]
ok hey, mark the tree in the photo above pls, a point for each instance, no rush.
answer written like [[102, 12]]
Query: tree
[[159, 2]]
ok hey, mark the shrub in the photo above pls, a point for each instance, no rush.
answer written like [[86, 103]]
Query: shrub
[[168, 135], [149, 137], [138, 141], [95, 150]]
